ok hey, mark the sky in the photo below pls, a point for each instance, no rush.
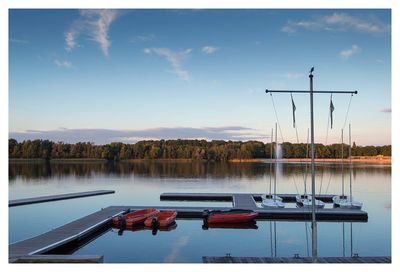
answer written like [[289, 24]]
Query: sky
[[135, 74]]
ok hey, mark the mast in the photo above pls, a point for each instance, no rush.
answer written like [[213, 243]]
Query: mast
[[305, 180], [276, 156], [351, 166], [270, 164], [342, 166], [311, 92], [314, 223]]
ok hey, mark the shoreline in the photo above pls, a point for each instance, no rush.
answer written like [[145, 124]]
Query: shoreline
[[355, 159]]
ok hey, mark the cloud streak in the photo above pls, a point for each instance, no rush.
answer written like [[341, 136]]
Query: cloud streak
[[105, 136], [95, 24], [339, 22], [347, 53], [209, 49], [63, 63], [175, 59]]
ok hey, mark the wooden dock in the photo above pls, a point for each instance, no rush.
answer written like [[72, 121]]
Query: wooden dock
[[229, 259], [87, 226], [34, 200], [78, 229], [248, 201]]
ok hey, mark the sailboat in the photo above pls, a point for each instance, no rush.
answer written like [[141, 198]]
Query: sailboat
[[305, 200], [344, 201], [272, 200]]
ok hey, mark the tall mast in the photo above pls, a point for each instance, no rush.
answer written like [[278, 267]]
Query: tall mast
[[270, 164], [276, 155], [311, 92], [351, 166], [314, 223], [342, 166]]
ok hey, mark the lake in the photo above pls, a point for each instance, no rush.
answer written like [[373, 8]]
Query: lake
[[141, 183]]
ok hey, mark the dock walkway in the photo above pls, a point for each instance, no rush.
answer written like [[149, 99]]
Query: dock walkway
[[34, 200]]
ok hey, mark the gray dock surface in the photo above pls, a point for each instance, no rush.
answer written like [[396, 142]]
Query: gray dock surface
[[58, 259], [34, 200], [229, 259], [64, 234]]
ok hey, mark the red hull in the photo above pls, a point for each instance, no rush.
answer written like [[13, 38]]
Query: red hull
[[163, 219], [231, 217], [134, 218]]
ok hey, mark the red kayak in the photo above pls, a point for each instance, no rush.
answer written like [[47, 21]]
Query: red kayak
[[229, 216], [161, 219], [134, 218]]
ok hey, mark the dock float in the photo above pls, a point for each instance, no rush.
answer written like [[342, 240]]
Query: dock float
[[58, 259], [229, 259], [34, 200], [75, 230]]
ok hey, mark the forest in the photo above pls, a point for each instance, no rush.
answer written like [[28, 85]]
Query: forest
[[216, 150]]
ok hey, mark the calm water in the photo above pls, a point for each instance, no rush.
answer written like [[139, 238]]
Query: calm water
[[142, 184]]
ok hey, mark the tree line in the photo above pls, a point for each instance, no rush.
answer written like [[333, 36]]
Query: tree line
[[216, 150]]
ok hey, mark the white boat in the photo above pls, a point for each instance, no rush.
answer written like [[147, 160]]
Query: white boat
[[272, 200], [307, 203], [344, 201]]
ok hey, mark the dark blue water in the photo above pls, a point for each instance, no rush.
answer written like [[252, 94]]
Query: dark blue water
[[142, 183]]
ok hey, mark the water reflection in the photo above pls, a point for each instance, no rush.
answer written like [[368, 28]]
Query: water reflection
[[32, 171]]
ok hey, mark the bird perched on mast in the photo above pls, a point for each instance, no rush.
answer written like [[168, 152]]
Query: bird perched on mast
[[312, 70]]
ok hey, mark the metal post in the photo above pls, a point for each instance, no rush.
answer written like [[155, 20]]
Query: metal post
[[351, 166], [276, 158], [314, 223], [342, 166]]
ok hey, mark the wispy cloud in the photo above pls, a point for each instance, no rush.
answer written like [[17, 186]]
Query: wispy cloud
[[174, 58], [63, 63], [179, 244], [387, 110], [19, 41], [339, 22], [95, 24], [104, 136], [347, 53], [209, 49], [143, 38]]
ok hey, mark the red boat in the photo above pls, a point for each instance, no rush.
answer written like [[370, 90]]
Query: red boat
[[134, 218], [245, 225], [161, 219], [229, 216]]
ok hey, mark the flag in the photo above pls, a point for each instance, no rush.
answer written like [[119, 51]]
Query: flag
[[331, 108], [294, 109]]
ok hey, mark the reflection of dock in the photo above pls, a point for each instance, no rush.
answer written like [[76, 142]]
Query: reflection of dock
[[87, 226], [33, 200], [229, 259]]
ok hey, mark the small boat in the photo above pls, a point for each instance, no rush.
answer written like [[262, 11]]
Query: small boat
[[133, 218], [266, 197], [307, 202], [272, 203], [161, 219], [229, 216]]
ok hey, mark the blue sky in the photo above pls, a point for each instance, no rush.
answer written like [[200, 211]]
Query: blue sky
[[127, 75]]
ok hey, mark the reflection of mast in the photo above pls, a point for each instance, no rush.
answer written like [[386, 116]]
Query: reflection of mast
[[272, 240], [307, 249], [343, 241]]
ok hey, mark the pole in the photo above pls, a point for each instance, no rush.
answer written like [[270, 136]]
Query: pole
[[351, 166], [276, 158], [270, 163], [342, 166], [314, 223]]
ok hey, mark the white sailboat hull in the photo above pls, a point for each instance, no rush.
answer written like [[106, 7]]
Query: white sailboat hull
[[306, 202], [271, 203], [270, 197]]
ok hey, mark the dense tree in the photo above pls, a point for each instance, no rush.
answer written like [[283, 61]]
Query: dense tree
[[181, 149]]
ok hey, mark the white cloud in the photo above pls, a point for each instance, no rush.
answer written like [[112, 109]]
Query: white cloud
[[95, 24], [339, 22], [143, 38], [347, 53], [209, 49], [63, 63], [174, 58]]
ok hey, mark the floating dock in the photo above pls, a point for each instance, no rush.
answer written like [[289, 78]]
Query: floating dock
[[229, 259], [89, 225], [34, 200]]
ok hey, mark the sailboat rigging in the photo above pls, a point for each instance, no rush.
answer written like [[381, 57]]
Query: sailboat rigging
[[272, 200]]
